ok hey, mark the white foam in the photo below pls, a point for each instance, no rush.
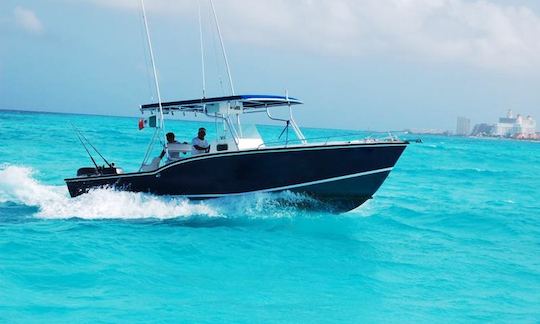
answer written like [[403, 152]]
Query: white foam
[[263, 205], [18, 185]]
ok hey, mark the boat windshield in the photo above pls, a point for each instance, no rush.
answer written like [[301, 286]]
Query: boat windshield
[[249, 131], [249, 137]]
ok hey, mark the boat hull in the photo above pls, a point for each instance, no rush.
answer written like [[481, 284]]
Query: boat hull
[[342, 177]]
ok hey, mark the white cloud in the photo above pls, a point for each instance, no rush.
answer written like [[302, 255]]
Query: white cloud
[[27, 20], [475, 32]]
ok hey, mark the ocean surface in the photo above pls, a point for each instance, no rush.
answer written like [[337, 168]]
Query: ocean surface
[[453, 235]]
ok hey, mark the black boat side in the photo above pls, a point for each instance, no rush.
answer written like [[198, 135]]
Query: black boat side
[[342, 175]]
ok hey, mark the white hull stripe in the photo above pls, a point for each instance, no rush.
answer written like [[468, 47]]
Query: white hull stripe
[[218, 155], [305, 184]]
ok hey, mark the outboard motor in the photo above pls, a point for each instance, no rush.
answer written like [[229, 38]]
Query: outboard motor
[[87, 172], [100, 170]]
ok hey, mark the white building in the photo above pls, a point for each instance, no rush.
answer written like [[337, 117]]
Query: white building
[[525, 127], [517, 126]]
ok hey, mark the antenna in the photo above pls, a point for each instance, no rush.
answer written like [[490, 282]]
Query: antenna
[[162, 124], [222, 47], [202, 52]]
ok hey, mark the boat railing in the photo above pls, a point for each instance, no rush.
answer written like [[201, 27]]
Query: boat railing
[[358, 137]]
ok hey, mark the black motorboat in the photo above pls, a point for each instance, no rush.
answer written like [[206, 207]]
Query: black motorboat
[[342, 174]]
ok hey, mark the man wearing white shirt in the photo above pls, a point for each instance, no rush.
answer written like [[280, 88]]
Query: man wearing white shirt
[[199, 145]]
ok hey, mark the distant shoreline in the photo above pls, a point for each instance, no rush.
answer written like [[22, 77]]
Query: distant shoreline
[[494, 138], [503, 138]]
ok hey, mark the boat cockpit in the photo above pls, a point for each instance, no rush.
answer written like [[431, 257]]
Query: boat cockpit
[[232, 135]]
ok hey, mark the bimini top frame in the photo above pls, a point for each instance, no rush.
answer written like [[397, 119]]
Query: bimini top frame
[[226, 107], [247, 103]]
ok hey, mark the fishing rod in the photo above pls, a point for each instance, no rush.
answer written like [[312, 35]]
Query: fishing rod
[[79, 134], [87, 151]]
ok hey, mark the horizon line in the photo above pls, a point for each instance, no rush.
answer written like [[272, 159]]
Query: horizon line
[[125, 116]]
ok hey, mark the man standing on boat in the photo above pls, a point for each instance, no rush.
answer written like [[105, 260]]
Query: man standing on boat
[[199, 144]]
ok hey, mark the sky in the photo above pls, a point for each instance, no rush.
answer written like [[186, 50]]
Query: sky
[[356, 64]]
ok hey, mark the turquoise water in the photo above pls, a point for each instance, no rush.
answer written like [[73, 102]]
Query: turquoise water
[[452, 236]]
